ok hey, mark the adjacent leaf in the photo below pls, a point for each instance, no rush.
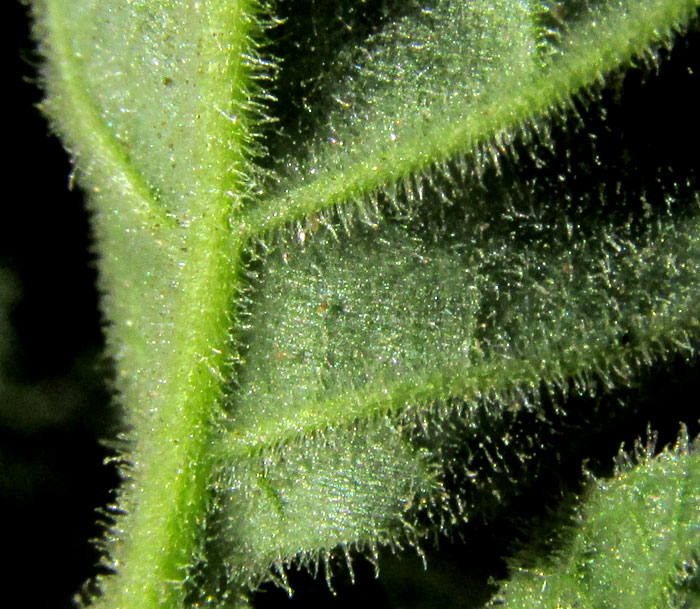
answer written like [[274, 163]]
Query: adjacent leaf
[[637, 546]]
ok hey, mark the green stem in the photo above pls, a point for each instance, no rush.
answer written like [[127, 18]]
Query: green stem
[[172, 404]]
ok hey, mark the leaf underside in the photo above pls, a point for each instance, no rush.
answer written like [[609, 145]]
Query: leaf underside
[[307, 319]]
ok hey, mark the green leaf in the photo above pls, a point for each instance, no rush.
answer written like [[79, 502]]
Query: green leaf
[[305, 319], [637, 545]]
